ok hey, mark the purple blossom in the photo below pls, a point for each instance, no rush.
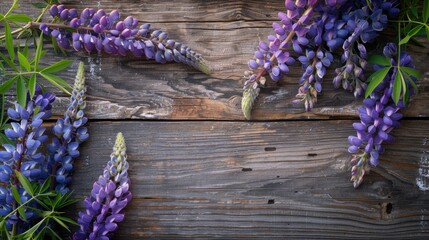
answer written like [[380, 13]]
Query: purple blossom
[[69, 132], [109, 196], [379, 116], [105, 32]]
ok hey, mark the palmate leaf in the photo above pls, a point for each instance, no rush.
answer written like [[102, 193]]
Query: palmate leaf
[[375, 79], [249, 96]]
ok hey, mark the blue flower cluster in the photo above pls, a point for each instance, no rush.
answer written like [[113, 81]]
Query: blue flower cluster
[[24, 155], [110, 194], [27, 134], [69, 132], [379, 115]]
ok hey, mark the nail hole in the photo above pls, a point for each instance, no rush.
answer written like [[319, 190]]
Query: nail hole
[[312, 154], [278, 176], [270, 149], [270, 201], [389, 208], [246, 169]]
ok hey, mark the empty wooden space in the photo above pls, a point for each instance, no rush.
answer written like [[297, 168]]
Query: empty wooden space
[[199, 170]]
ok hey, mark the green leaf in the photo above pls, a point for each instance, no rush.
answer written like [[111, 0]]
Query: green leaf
[[375, 79], [412, 72], [24, 182], [30, 232], [9, 62], [19, 18], [15, 194], [57, 81], [59, 221], [38, 54], [410, 80], [9, 41], [21, 92], [56, 67], [379, 60], [64, 200], [45, 186], [410, 34], [41, 234], [67, 220], [425, 11], [25, 51], [32, 85], [7, 85], [23, 61], [249, 97], [17, 198], [397, 87]]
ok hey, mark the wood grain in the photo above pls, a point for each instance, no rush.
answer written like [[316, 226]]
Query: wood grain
[[260, 180]]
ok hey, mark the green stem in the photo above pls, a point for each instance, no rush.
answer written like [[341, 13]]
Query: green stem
[[26, 26], [21, 73], [11, 8]]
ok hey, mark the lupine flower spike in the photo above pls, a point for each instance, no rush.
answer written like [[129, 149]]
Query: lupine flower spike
[[379, 115], [69, 133], [98, 31], [24, 156], [308, 32], [109, 195]]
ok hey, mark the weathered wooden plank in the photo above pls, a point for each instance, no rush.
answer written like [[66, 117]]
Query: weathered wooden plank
[[261, 180], [125, 88]]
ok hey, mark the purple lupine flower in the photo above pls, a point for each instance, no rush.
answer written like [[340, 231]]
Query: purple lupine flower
[[105, 32], [27, 133], [311, 30], [379, 116], [110, 194], [69, 133], [360, 26]]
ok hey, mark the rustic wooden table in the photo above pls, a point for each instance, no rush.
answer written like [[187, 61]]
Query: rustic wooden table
[[199, 170]]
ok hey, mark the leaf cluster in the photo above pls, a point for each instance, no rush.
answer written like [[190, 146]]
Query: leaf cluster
[[49, 204], [413, 21], [17, 67], [404, 77]]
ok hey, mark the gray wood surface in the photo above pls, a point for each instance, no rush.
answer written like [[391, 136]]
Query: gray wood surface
[[198, 170], [204, 179]]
